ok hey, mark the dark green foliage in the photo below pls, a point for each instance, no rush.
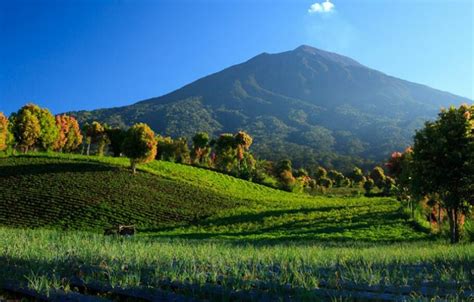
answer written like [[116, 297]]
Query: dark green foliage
[[369, 185], [389, 185], [116, 137], [201, 148], [378, 176], [337, 178], [96, 134], [175, 150], [320, 173], [357, 176], [139, 145], [443, 163], [325, 182]]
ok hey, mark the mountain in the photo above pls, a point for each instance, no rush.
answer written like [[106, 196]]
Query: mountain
[[306, 104]]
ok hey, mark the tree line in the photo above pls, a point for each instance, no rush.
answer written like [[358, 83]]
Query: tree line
[[438, 170]]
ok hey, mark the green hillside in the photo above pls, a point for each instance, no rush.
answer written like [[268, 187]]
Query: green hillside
[[172, 200]]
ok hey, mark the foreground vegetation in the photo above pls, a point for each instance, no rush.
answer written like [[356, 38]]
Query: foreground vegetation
[[230, 270]]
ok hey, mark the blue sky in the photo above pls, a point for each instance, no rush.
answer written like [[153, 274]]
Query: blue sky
[[70, 55]]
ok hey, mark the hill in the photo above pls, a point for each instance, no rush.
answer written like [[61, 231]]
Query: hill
[[306, 104], [172, 200]]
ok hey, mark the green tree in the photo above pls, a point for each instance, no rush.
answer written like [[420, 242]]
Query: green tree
[[443, 163], [357, 176], [378, 176], [95, 134], [139, 145], [181, 151], [26, 129], [284, 173], [166, 148], [48, 129], [389, 185], [116, 137], [337, 177], [226, 152], [320, 173], [369, 184], [325, 182], [399, 167], [201, 147]]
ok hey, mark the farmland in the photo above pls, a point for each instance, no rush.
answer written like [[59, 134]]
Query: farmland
[[207, 235]]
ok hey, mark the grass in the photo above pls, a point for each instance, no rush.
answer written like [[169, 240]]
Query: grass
[[219, 269], [172, 200], [211, 236]]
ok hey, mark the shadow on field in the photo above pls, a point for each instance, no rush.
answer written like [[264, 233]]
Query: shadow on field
[[40, 169], [298, 225], [75, 270]]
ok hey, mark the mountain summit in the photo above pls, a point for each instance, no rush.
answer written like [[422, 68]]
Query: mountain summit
[[307, 104]]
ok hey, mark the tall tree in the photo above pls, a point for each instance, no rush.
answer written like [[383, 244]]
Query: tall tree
[[70, 136], [378, 176], [26, 129], [95, 134], [357, 176], [116, 137], [243, 142], [201, 147], [3, 131], [443, 163], [226, 151], [48, 129], [139, 145]]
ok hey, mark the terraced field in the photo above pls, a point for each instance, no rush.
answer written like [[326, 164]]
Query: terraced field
[[171, 200], [205, 236]]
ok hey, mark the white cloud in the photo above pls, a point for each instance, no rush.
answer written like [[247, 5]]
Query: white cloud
[[324, 7]]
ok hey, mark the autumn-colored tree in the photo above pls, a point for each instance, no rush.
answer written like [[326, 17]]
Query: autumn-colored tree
[[4, 132], [26, 129], [48, 130], [443, 163], [95, 134], [284, 173], [243, 142], [70, 136], [201, 147], [139, 145]]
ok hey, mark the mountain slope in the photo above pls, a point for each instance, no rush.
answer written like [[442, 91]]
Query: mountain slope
[[307, 104]]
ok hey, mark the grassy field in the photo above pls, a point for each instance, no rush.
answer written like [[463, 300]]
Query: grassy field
[[210, 236], [172, 200], [231, 270]]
